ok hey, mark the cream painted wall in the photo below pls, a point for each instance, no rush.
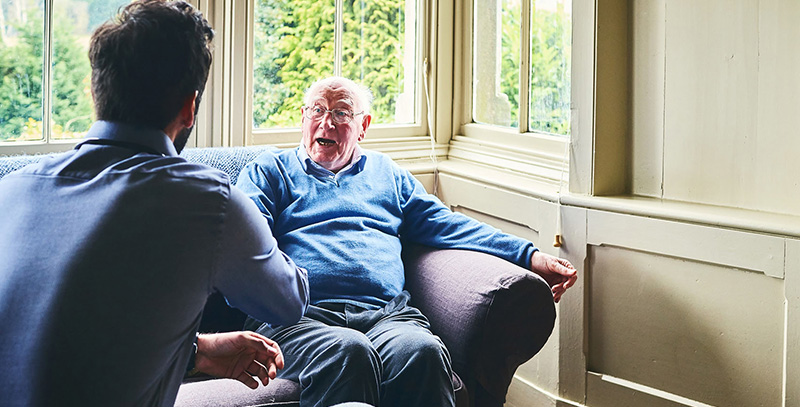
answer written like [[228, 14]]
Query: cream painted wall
[[683, 216], [716, 102], [666, 313], [705, 325]]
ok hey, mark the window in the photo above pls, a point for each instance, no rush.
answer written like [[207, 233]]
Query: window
[[373, 42], [45, 82], [521, 66]]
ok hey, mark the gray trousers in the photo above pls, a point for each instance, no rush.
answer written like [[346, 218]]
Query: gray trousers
[[385, 357]]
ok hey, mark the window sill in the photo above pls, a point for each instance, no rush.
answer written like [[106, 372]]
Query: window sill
[[526, 184], [36, 147], [400, 149], [375, 132], [702, 214], [686, 212]]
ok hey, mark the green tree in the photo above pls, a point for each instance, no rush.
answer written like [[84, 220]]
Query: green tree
[[101, 10], [373, 51], [21, 86], [72, 100], [550, 68], [295, 46], [550, 78], [509, 64], [21, 74]]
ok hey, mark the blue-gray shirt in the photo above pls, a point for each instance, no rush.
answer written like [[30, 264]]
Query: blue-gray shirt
[[107, 256]]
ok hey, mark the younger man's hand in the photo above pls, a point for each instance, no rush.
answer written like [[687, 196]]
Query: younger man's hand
[[240, 356]]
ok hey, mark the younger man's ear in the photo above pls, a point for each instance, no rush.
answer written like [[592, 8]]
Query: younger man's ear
[[187, 110]]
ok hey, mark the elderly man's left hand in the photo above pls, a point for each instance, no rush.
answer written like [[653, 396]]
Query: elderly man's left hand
[[240, 356], [559, 273]]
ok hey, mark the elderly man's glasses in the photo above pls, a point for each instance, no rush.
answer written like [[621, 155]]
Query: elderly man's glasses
[[339, 116]]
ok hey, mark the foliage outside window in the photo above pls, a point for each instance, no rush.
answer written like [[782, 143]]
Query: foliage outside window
[[300, 41], [498, 48], [22, 58]]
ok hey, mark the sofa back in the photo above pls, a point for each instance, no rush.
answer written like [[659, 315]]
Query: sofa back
[[13, 163], [226, 159]]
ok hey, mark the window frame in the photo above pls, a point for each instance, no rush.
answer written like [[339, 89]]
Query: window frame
[[51, 146], [445, 33], [472, 128], [46, 145], [232, 74], [545, 151], [225, 114]]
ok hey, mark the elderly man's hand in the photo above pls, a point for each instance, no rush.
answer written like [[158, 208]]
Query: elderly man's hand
[[558, 272], [240, 356]]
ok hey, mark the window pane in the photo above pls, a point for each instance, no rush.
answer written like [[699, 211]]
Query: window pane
[[496, 63], [73, 24], [293, 48], [551, 49], [21, 58], [379, 51]]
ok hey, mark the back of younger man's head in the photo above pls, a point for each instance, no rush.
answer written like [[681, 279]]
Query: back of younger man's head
[[148, 60]]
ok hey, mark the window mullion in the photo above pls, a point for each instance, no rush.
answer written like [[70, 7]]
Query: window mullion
[[47, 76], [338, 33], [524, 66]]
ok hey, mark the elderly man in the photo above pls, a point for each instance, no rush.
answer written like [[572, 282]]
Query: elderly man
[[341, 212], [109, 252]]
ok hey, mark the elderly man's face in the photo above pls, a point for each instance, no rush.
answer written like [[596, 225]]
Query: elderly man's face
[[328, 143]]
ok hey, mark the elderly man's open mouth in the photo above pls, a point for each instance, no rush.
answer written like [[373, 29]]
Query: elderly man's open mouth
[[325, 142]]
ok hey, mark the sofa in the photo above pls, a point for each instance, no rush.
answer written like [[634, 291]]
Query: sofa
[[492, 315]]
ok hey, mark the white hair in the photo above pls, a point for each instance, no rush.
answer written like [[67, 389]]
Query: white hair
[[361, 94]]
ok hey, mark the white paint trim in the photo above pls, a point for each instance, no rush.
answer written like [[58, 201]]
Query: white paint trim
[[651, 391], [710, 215], [47, 72], [730, 248], [547, 393], [791, 374], [37, 147]]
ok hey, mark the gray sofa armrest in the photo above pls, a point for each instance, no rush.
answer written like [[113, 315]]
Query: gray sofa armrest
[[492, 315]]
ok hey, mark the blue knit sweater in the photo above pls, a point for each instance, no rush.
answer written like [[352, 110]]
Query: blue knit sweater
[[346, 228]]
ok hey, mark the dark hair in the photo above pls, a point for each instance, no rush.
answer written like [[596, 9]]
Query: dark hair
[[148, 60]]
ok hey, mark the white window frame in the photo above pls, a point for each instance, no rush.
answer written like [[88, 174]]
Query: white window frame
[[542, 156], [47, 144], [226, 117]]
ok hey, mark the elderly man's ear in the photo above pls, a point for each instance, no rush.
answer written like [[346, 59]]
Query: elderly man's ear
[[364, 125]]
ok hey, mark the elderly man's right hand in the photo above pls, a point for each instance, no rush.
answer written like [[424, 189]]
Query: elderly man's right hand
[[559, 273]]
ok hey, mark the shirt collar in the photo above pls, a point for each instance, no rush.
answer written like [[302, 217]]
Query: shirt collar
[[150, 138], [355, 165]]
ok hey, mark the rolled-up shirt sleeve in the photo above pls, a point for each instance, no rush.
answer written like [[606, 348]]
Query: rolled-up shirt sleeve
[[252, 273]]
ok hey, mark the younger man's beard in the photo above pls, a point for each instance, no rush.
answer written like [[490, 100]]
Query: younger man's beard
[[182, 138]]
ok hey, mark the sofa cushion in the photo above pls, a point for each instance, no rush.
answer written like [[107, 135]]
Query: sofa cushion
[[13, 163], [229, 392], [229, 160], [211, 392]]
